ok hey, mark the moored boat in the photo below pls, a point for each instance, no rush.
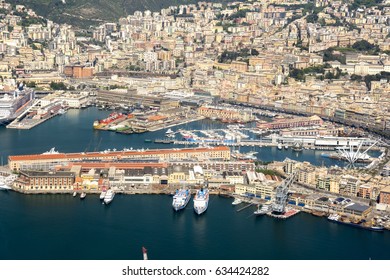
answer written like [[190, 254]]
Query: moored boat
[[4, 187], [236, 201], [83, 195], [201, 201], [263, 210], [102, 194], [339, 220], [181, 199], [109, 196], [74, 194]]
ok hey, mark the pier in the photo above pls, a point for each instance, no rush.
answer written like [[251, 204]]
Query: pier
[[246, 206]]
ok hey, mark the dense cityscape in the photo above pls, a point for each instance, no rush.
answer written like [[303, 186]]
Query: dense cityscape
[[210, 87]]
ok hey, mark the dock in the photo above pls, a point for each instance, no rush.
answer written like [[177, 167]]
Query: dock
[[246, 206]]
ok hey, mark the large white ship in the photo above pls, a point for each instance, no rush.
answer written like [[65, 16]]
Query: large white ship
[[181, 199], [201, 201], [12, 103]]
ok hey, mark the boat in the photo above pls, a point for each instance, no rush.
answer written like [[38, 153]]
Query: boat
[[286, 147], [4, 186], [102, 194], [74, 194], [181, 199], [263, 210], [115, 116], [109, 196], [280, 147], [148, 141], [318, 213], [339, 220], [83, 195], [236, 201], [163, 141], [169, 131], [201, 201]]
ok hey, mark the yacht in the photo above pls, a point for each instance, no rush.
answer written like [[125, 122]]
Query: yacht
[[102, 194], [4, 186], [109, 196], [83, 195], [201, 201], [236, 201], [263, 210]]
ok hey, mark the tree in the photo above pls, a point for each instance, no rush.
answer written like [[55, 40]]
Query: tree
[[58, 86], [365, 46]]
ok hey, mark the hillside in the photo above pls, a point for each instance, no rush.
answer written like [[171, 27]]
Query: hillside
[[83, 13]]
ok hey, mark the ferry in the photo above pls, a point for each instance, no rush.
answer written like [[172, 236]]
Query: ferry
[[109, 196], [83, 195], [201, 201], [181, 199]]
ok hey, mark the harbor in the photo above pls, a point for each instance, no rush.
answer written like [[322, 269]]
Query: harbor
[[67, 218]]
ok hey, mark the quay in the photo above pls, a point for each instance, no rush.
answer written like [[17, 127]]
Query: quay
[[29, 123]]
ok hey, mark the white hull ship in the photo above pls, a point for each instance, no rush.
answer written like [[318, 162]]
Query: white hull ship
[[11, 104], [181, 199], [201, 201], [109, 196]]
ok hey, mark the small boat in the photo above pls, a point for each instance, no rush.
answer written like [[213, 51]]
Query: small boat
[[280, 147], [102, 194], [4, 187], [74, 194], [236, 201], [262, 211], [109, 196], [148, 141], [286, 147], [83, 195]]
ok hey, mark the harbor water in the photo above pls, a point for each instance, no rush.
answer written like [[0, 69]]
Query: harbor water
[[65, 227], [73, 132]]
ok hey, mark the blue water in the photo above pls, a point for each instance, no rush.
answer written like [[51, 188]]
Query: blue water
[[73, 132], [63, 227]]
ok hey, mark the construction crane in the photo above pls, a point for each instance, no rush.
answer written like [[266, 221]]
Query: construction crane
[[280, 201]]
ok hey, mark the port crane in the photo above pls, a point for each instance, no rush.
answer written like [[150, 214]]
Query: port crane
[[279, 204]]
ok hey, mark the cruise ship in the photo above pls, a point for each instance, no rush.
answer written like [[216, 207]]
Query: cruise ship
[[201, 201], [109, 196], [181, 199], [12, 103]]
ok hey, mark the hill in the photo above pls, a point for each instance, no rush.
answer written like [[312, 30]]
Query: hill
[[83, 13]]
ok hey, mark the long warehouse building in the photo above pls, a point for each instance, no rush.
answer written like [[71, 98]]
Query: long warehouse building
[[48, 160]]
